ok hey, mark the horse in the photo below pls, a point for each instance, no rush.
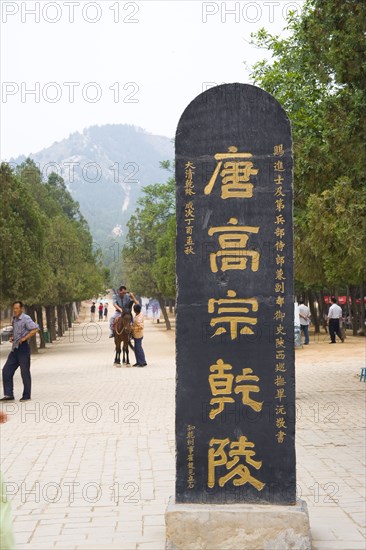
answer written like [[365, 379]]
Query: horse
[[122, 333]]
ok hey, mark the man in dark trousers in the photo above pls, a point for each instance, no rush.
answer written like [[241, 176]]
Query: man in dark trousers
[[334, 314], [23, 329]]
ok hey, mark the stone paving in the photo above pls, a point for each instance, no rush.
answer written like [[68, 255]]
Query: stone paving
[[89, 462]]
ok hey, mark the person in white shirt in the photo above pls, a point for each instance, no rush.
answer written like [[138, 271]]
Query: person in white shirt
[[334, 314], [304, 313]]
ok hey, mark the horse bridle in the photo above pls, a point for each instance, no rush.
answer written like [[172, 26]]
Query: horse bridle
[[123, 328]]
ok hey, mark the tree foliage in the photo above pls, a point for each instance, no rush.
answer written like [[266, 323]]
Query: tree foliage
[[46, 254], [318, 74], [149, 252]]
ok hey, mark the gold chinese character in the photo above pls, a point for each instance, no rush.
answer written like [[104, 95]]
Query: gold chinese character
[[280, 260], [279, 245], [240, 472], [280, 423], [280, 287], [188, 249], [280, 409], [278, 166], [280, 381], [280, 220], [278, 150], [279, 315], [234, 312], [189, 229], [188, 188], [235, 175], [280, 329], [278, 192], [247, 389], [189, 210], [280, 436], [233, 242], [280, 394], [279, 180], [280, 367], [279, 232], [279, 205], [221, 383], [280, 343], [280, 354], [280, 300]]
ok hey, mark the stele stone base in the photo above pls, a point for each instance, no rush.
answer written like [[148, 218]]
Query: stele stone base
[[237, 527]]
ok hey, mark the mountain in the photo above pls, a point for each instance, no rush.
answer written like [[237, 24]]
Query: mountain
[[105, 168]]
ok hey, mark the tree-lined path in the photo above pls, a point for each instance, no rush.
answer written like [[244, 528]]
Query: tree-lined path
[[90, 459]]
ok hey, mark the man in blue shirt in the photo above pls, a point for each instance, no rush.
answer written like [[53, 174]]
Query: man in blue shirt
[[122, 303], [23, 329]]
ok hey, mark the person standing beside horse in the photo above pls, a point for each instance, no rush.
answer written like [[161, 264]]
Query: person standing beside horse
[[138, 334], [23, 328], [122, 303]]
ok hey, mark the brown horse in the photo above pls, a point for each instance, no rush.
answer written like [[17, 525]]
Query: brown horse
[[122, 334]]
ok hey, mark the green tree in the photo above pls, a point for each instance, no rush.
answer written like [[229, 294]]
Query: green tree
[[47, 253], [23, 227], [148, 253], [318, 75]]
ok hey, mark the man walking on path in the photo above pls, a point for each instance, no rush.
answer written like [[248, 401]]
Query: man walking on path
[[334, 315], [304, 313], [23, 329]]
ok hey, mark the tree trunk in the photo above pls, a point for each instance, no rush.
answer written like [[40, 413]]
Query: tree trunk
[[352, 290], [69, 313], [348, 306], [32, 341], [362, 292], [64, 318], [49, 323], [362, 311], [60, 331], [314, 315], [41, 328], [53, 323], [164, 312], [320, 299]]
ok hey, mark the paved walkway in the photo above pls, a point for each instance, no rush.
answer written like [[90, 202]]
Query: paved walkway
[[90, 460]]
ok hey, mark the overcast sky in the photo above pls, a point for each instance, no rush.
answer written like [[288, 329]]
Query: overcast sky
[[67, 65]]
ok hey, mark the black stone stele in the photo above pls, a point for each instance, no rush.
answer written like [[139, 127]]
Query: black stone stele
[[235, 394]]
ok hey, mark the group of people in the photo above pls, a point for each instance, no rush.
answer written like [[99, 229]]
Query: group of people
[[124, 302], [334, 317], [24, 328], [102, 310]]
